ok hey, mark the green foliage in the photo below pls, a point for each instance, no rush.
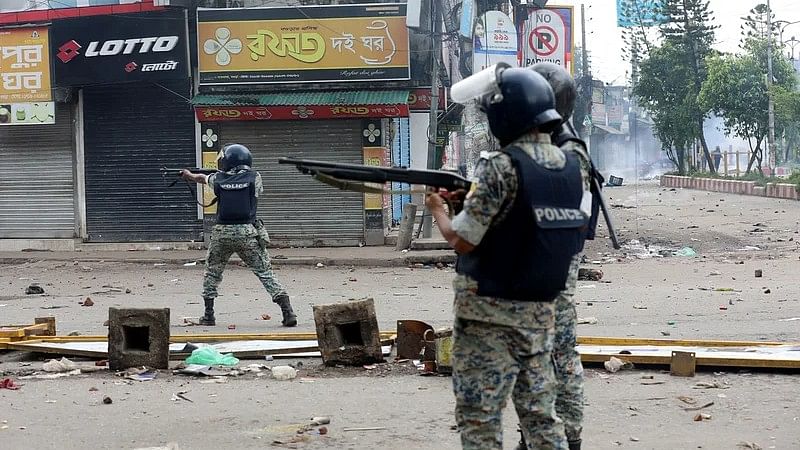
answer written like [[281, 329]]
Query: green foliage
[[736, 91], [671, 76]]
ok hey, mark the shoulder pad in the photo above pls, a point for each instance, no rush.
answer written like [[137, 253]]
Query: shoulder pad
[[490, 155]]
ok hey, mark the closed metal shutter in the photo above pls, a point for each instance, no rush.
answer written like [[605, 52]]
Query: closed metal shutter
[[297, 209], [36, 179], [130, 132]]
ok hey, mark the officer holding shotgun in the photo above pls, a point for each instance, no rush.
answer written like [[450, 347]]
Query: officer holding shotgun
[[517, 235], [238, 230]]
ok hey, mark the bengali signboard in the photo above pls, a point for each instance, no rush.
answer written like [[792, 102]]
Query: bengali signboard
[[226, 113], [24, 65], [303, 44], [494, 41]]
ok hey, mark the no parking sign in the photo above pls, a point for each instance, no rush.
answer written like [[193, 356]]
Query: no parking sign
[[547, 36]]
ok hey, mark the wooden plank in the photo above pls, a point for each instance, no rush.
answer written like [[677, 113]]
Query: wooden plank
[[589, 340], [222, 337]]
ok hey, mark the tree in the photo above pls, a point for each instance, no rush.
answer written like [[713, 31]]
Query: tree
[[662, 90], [787, 112], [736, 90], [690, 27]]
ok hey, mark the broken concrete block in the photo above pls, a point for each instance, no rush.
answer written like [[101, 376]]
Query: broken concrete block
[[138, 337], [347, 333]]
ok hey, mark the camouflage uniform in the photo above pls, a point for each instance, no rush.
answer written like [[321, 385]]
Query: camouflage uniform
[[569, 370], [502, 346], [241, 239]]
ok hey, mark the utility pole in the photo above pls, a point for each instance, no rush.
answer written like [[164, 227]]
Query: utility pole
[[771, 160], [584, 56], [584, 74], [436, 29]]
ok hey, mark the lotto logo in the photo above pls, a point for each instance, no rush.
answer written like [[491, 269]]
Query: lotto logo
[[68, 51]]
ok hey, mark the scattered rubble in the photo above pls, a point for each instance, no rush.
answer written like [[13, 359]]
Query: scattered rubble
[[34, 289]]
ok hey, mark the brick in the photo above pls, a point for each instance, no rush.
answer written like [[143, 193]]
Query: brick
[[138, 337], [347, 333]]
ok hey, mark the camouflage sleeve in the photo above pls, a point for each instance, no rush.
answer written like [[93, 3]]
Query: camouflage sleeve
[[259, 184], [496, 184], [583, 159]]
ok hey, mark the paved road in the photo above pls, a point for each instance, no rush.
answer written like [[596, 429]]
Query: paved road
[[645, 288]]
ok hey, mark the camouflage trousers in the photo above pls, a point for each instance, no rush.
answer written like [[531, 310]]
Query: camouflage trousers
[[492, 361], [220, 250], [569, 370]]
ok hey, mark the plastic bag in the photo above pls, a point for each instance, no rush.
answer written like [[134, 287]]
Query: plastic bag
[[686, 251], [209, 356]]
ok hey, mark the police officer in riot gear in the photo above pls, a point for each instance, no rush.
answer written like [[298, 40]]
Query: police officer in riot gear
[[569, 370], [516, 236], [238, 230]]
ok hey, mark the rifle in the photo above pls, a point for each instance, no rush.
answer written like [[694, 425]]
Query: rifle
[[596, 190], [342, 176], [167, 171]]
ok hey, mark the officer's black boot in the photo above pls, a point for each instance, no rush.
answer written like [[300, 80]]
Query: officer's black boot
[[208, 317], [289, 318], [574, 445], [522, 445]]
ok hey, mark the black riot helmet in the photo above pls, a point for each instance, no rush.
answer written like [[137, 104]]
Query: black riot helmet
[[234, 156], [563, 85], [526, 101]]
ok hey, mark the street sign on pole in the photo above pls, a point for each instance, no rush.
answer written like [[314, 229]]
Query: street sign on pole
[[546, 35]]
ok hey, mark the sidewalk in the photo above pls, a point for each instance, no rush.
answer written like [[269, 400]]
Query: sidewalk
[[381, 256]]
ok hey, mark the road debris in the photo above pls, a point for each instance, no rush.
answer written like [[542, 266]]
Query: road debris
[[8, 383], [180, 396], [748, 445], [712, 385], [210, 356], [57, 366], [687, 252], [322, 420], [34, 289], [585, 274], [698, 408], [284, 373], [266, 317], [701, 417], [615, 364], [790, 319], [759, 273], [87, 302], [364, 429], [142, 376], [107, 400], [587, 320], [687, 400]]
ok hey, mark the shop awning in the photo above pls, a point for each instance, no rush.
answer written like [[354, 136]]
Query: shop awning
[[607, 129], [302, 105], [399, 97]]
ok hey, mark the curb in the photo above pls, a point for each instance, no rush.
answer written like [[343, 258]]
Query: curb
[[772, 190], [405, 261]]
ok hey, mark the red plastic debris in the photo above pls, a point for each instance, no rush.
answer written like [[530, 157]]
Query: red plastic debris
[[8, 383]]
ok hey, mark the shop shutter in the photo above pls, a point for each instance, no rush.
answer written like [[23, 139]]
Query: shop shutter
[[297, 209], [131, 131], [36, 178]]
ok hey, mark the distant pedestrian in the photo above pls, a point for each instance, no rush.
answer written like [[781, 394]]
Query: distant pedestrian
[[717, 154]]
